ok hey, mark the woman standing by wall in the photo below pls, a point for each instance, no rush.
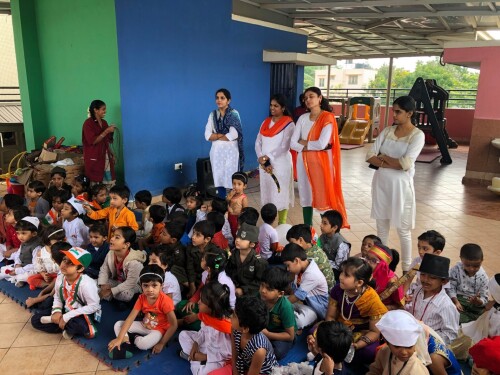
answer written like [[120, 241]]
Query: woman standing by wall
[[97, 137], [393, 194], [318, 162], [272, 147], [224, 130]]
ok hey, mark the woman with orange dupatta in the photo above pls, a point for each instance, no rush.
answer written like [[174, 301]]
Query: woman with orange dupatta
[[272, 147], [318, 162]]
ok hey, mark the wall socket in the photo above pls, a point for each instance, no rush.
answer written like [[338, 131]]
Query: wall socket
[[178, 166]]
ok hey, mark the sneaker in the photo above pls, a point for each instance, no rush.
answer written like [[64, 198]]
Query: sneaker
[[19, 284], [46, 319], [67, 335], [183, 355]]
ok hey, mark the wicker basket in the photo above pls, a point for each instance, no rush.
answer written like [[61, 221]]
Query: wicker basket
[[42, 171]]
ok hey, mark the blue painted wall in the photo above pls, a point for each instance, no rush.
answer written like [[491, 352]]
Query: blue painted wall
[[173, 56]]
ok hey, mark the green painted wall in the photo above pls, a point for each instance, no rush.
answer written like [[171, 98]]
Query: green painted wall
[[67, 56]]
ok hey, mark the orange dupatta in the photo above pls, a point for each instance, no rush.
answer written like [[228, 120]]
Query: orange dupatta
[[281, 124], [326, 184], [221, 325]]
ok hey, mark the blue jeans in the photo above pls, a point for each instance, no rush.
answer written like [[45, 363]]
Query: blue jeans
[[281, 348]]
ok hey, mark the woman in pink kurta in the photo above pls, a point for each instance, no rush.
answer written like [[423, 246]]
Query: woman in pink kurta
[[97, 137]]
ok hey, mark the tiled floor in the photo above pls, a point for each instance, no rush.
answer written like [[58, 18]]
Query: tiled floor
[[462, 214]]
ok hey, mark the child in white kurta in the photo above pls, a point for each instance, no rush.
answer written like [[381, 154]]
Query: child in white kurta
[[212, 343]]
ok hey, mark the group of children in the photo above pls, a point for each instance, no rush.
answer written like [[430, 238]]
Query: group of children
[[238, 298]]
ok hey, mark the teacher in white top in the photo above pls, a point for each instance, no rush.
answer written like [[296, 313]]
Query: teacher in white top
[[393, 195], [224, 130], [272, 147]]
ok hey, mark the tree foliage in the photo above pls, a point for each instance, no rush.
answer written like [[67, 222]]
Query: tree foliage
[[309, 75], [449, 77]]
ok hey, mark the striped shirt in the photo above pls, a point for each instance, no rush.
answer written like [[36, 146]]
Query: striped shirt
[[244, 358], [438, 312]]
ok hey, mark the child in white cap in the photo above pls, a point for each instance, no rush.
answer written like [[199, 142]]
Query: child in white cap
[[401, 332], [27, 233], [77, 233]]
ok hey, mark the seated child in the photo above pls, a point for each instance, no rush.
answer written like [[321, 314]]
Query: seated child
[[43, 302], [57, 177], [80, 188], [430, 303], [143, 200], [98, 248], [379, 257], [401, 332], [156, 216], [75, 299], [214, 265], [11, 241], [236, 200], [8, 202], [336, 247], [193, 204], [367, 243], [218, 240], [282, 326], [250, 216], [117, 213], [27, 233], [489, 323], [469, 283], [45, 269], [170, 242], [245, 267], [301, 235], [310, 292], [98, 196], [330, 346], [209, 348], [119, 274], [251, 348], [158, 324], [268, 237], [203, 232], [77, 233], [172, 197], [430, 242], [38, 206], [54, 217], [162, 258], [220, 205]]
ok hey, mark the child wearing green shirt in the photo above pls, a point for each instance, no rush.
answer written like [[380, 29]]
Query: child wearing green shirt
[[282, 326]]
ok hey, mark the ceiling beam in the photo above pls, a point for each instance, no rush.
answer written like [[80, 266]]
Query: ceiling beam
[[383, 22], [399, 14], [345, 36], [492, 7], [357, 4], [329, 44], [444, 23]]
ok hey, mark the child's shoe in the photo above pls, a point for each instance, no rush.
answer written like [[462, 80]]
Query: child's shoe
[[19, 284], [67, 335], [125, 351], [46, 320], [183, 355]]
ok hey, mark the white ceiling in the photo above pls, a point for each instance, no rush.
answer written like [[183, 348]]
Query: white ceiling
[[353, 29]]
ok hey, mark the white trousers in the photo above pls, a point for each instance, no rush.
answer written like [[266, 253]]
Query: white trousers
[[304, 315], [148, 338], [404, 231], [187, 339]]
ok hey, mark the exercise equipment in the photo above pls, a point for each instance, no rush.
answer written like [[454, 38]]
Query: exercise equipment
[[431, 102], [357, 128]]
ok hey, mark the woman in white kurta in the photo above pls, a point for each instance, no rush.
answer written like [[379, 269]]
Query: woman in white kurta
[[393, 195], [272, 147], [316, 141], [224, 130]]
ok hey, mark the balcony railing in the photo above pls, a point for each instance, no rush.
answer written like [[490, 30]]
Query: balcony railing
[[10, 94], [457, 98]]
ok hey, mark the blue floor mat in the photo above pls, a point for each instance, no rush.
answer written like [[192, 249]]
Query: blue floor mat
[[19, 295], [298, 353]]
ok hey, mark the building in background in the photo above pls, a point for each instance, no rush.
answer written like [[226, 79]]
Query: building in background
[[345, 75]]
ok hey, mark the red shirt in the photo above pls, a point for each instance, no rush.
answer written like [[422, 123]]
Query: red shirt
[[12, 239], [155, 316]]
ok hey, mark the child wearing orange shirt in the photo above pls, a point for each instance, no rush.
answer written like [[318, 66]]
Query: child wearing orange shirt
[[157, 214], [117, 213], [158, 324]]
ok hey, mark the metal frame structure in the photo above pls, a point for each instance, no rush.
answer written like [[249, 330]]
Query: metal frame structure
[[359, 29]]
